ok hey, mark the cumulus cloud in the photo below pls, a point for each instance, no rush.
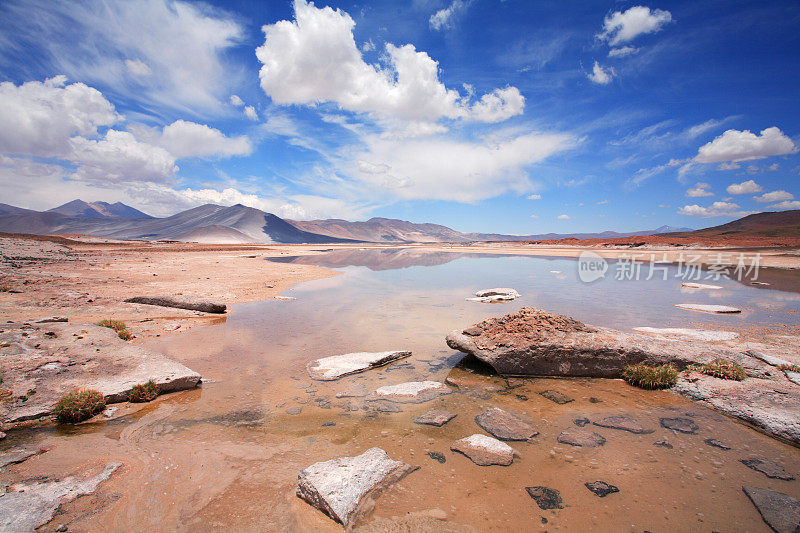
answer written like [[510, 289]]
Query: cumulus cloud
[[461, 171], [119, 157], [534, 216], [600, 75], [774, 196], [314, 59], [624, 26], [734, 145], [785, 205], [236, 100], [717, 209], [729, 166], [535, 197], [746, 187], [622, 52], [250, 112], [564, 217], [183, 52], [185, 139], [699, 190], [38, 118], [444, 17]]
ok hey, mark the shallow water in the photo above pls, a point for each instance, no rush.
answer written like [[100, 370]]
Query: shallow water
[[227, 455]]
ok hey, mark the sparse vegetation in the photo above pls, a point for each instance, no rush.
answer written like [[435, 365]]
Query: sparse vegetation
[[790, 368], [79, 405], [650, 377], [722, 368], [119, 327], [146, 392], [5, 288]]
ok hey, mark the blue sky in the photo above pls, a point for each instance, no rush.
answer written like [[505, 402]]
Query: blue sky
[[483, 115]]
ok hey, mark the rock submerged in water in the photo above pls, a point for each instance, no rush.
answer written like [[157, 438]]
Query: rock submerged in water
[[545, 497], [555, 396], [345, 488], [601, 488], [495, 295], [179, 302], [682, 425], [771, 469], [410, 392], [710, 308], [337, 366], [435, 417], [484, 450], [581, 437], [534, 342], [623, 423], [505, 426], [780, 511]]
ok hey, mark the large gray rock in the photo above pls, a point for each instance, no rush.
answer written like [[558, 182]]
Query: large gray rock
[[180, 302], [337, 366], [484, 450], [27, 507], [504, 425], [534, 342], [780, 511], [410, 392], [54, 359], [345, 488]]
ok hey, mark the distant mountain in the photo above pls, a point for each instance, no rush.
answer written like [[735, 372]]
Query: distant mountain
[[393, 230], [6, 209], [81, 209], [770, 224], [206, 223]]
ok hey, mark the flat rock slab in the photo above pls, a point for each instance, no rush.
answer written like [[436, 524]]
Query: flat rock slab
[[57, 358], [601, 488], [686, 333], [17, 455], [555, 396], [581, 437], [356, 390], [545, 497], [345, 488], [26, 507], [780, 511], [484, 450], [179, 302], [682, 425], [710, 308], [410, 392], [714, 443], [504, 425], [497, 295], [337, 366], [705, 286], [769, 468], [624, 423], [435, 417]]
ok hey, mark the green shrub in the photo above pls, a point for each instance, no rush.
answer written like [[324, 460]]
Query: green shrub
[[650, 377], [119, 327], [79, 405], [146, 392], [724, 369], [790, 368]]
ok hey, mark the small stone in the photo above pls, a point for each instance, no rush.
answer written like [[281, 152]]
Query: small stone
[[780, 511], [546, 498], [683, 425], [581, 422], [623, 423], [581, 437], [769, 468], [2, 435], [294, 410], [437, 456], [556, 396], [435, 417], [663, 444], [595, 400], [504, 425], [717, 444], [601, 488], [328, 424], [63, 527], [484, 450]]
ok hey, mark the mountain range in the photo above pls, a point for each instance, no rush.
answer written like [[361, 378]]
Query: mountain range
[[239, 224]]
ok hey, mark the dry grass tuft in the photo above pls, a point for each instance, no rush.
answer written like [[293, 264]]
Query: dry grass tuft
[[650, 377], [146, 392], [79, 405], [723, 369], [790, 368], [119, 327]]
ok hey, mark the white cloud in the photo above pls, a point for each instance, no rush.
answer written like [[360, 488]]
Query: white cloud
[[119, 157], [454, 170], [729, 166], [622, 27], [236, 100], [189, 139], [773, 167], [535, 197], [734, 145], [699, 190], [38, 118], [600, 75], [564, 217], [534, 216], [785, 205], [444, 17], [314, 59], [181, 47], [717, 209], [368, 46], [250, 112], [774, 196], [622, 52], [746, 187]]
